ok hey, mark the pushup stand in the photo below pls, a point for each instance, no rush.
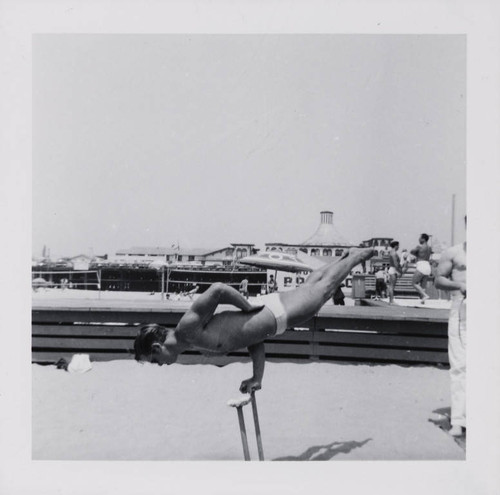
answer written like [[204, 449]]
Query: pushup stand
[[239, 404]]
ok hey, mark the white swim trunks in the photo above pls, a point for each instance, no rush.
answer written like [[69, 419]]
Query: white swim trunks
[[424, 267], [392, 270], [274, 304]]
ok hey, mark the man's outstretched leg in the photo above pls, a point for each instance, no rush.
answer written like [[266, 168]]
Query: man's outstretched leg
[[418, 281], [303, 303]]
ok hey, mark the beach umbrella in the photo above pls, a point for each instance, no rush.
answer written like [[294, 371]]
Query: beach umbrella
[[39, 282], [276, 261], [158, 264]]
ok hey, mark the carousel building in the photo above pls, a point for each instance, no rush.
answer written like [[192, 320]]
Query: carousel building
[[325, 242]]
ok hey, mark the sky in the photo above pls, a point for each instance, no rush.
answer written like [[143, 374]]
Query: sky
[[205, 140]]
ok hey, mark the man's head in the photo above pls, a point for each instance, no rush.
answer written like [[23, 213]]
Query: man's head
[[424, 238], [156, 344], [394, 245]]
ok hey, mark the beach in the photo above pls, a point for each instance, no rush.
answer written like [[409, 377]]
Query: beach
[[319, 410], [124, 410]]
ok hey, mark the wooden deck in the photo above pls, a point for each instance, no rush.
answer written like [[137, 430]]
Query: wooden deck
[[106, 330]]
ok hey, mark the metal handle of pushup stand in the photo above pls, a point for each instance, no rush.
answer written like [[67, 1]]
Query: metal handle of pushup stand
[[239, 404], [257, 426], [243, 432]]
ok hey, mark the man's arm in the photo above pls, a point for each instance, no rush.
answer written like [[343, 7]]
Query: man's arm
[[258, 355], [216, 294], [443, 274], [228, 295]]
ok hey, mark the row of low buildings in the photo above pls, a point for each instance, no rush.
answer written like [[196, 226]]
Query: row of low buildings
[[192, 265], [226, 255], [326, 243]]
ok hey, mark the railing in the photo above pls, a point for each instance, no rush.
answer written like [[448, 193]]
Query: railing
[[147, 279], [66, 278], [404, 286], [369, 334]]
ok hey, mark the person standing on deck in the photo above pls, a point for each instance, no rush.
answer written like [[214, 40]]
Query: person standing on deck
[[404, 259], [395, 269], [338, 297], [380, 283], [451, 276], [423, 270], [272, 286], [244, 288]]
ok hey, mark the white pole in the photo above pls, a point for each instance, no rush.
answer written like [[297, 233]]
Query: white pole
[[453, 220], [162, 283]]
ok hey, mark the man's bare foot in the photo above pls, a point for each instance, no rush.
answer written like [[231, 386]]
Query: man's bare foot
[[424, 298], [359, 255], [456, 431], [364, 253]]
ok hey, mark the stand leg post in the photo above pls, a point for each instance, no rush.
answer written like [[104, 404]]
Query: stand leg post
[[257, 427], [243, 432]]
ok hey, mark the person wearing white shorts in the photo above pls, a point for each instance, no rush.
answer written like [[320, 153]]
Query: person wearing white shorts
[[395, 269], [423, 269]]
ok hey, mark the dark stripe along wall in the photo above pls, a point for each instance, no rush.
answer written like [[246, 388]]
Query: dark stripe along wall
[[344, 334]]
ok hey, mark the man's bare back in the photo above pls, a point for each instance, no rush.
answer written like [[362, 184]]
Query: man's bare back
[[423, 270], [422, 252]]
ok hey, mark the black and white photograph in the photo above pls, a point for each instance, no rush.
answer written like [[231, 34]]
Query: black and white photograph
[[251, 246], [277, 218]]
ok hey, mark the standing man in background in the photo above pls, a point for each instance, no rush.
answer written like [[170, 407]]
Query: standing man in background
[[338, 297], [423, 269], [380, 283], [272, 286], [451, 276], [395, 269], [244, 288]]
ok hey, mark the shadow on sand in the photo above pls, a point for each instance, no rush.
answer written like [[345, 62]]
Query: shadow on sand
[[325, 452]]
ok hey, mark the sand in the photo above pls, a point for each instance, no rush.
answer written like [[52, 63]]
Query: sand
[[308, 411]]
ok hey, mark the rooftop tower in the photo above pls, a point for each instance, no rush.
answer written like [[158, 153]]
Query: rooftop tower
[[326, 234]]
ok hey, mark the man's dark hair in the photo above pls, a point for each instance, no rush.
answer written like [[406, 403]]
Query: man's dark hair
[[147, 336], [393, 244], [425, 237]]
